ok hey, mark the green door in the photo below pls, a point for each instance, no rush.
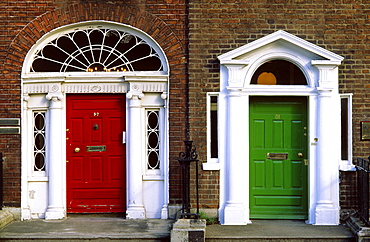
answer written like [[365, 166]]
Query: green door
[[278, 158]]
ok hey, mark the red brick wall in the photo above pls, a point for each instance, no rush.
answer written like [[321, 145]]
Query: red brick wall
[[218, 26], [22, 23]]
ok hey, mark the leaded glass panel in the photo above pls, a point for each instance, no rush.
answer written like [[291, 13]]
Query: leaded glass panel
[[97, 49], [39, 146], [153, 139]]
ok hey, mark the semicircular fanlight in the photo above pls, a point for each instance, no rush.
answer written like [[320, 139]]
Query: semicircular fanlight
[[96, 49]]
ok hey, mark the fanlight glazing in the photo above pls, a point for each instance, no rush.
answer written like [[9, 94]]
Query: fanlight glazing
[[96, 49]]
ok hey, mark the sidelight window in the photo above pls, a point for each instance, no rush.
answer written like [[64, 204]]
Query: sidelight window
[[39, 146], [153, 140], [212, 132], [346, 132]]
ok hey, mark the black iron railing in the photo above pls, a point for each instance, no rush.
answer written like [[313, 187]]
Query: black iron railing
[[185, 159], [363, 170]]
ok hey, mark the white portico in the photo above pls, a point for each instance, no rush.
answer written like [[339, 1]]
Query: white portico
[[320, 70]]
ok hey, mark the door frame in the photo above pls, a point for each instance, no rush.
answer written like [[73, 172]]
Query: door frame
[[320, 67], [49, 96]]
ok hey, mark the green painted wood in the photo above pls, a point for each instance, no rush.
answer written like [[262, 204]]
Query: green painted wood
[[278, 187]]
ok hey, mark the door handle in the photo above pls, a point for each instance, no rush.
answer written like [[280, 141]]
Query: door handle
[[300, 155], [77, 150]]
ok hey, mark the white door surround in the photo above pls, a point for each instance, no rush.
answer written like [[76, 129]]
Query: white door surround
[[320, 68], [44, 192]]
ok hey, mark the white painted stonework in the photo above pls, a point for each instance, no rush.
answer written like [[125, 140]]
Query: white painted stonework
[[44, 192], [320, 68]]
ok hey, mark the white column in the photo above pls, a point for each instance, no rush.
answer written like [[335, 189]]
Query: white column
[[164, 120], [236, 174], [328, 147], [326, 168], [236, 211], [55, 208], [135, 208]]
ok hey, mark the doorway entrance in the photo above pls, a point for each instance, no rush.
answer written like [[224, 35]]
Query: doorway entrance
[[278, 158], [96, 153]]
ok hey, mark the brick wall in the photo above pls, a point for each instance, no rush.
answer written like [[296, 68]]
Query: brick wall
[[218, 26], [22, 23]]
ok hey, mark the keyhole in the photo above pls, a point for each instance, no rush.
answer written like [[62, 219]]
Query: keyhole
[[96, 127]]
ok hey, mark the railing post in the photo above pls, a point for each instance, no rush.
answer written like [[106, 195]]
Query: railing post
[[363, 189], [185, 159]]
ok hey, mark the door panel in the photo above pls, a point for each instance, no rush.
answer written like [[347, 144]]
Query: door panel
[[278, 174], [95, 172]]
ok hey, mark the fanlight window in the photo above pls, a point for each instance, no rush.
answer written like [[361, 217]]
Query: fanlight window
[[278, 72], [96, 49]]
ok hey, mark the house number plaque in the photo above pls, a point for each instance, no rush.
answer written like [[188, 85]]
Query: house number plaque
[[277, 156]]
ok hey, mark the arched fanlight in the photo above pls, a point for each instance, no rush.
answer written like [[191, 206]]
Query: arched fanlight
[[96, 49]]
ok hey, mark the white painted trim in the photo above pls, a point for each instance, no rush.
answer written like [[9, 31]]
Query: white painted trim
[[347, 165], [212, 164]]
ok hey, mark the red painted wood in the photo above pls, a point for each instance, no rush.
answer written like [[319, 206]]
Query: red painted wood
[[96, 180]]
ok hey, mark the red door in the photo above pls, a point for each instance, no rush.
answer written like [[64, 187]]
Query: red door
[[96, 153]]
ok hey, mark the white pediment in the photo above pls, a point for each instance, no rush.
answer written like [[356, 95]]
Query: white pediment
[[317, 64], [280, 41]]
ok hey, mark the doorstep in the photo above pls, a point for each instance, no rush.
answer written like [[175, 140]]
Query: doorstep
[[278, 230], [88, 228]]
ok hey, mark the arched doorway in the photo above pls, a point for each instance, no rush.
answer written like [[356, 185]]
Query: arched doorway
[[95, 95]]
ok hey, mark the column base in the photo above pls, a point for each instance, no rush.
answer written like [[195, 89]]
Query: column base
[[55, 213], [135, 212], [26, 214], [236, 214], [326, 215]]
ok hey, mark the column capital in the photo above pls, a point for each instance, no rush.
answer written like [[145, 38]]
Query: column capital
[[328, 73], [55, 99], [26, 97], [135, 95], [236, 71]]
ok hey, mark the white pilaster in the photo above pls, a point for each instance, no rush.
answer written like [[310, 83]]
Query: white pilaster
[[55, 208], [26, 211], [135, 208]]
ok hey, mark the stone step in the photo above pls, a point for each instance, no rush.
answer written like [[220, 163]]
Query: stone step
[[278, 230], [119, 229], [88, 229]]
